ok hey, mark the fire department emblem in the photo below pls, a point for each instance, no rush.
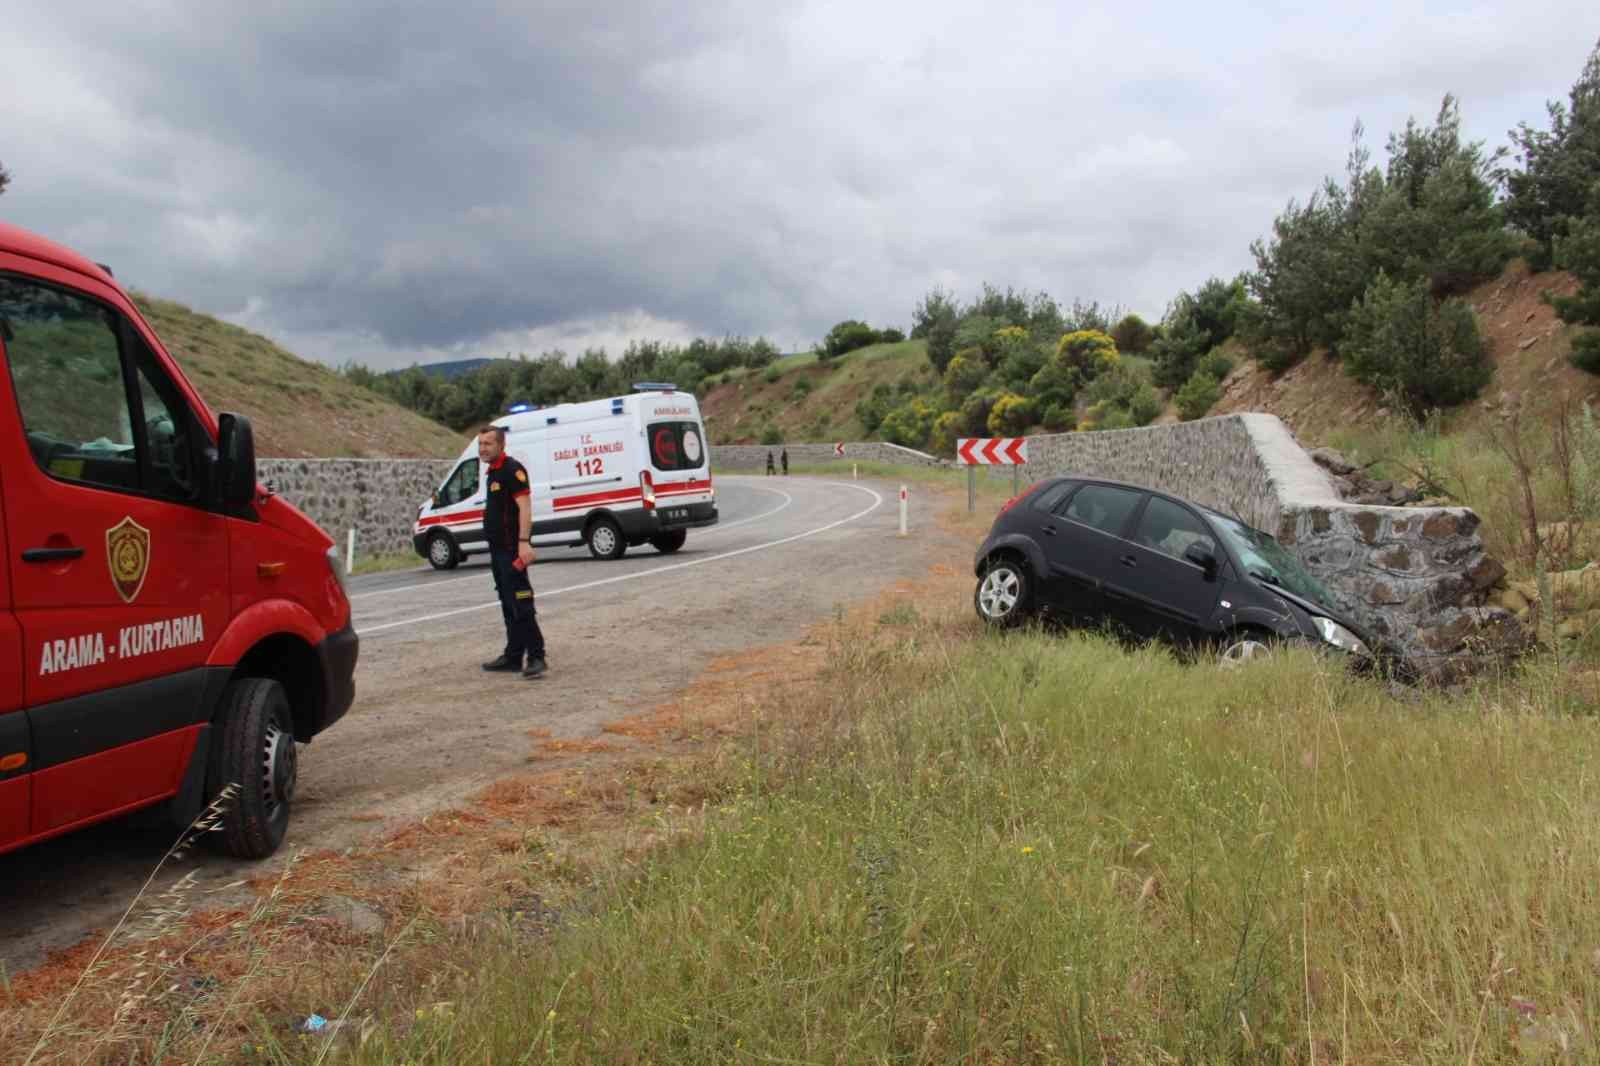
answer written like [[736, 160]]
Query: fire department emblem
[[128, 554]]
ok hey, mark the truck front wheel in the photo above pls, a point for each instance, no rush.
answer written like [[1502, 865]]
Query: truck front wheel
[[257, 756]]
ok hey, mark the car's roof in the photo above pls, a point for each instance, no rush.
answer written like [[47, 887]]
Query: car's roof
[[1212, 511], [18, 241]]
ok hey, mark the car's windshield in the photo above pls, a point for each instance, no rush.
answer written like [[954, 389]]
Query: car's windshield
[[1264, 558]]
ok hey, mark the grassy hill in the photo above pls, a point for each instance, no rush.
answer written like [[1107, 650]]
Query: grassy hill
[[298, 408], [821, 409]]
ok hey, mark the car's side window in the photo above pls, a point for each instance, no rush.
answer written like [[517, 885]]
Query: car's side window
[[168, 432], [1170, 529], [1051, 497], [66, 368], [1103, 507]]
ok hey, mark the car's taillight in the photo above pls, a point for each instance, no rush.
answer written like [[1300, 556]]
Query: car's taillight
[[1024, 494], [647, 490]]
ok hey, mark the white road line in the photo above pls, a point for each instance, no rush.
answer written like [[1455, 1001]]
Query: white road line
[[877, 501], [699, 535]]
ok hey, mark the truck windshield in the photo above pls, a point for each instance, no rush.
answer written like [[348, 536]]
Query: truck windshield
[[676, 446], [1265, 559]]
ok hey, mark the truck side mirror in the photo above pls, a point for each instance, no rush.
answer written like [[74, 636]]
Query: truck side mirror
[[1202, 557], [236, 460]]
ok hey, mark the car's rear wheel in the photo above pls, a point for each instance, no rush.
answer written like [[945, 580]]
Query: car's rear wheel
[[1004, 596], [257, 756], [442, 552], [605, 539], [670, 541]]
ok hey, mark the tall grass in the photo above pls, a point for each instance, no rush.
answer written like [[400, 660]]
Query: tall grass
[[1048, 849]]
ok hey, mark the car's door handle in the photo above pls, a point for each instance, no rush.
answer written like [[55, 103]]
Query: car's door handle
[[50, 555], [1050, 531], [1128, 560]]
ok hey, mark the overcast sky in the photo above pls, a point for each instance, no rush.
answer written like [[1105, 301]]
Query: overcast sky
[[432, 181]]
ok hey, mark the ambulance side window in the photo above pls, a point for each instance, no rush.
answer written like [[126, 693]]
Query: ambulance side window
[[461, 485], [66, 367]]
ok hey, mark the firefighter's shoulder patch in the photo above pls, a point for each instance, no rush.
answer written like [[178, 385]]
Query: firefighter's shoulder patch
[[522, 475]]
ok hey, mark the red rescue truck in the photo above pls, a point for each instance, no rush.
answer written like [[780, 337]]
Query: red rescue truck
[[167, 627]]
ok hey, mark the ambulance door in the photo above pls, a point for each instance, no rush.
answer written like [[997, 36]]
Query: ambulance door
[[119, 570], [15, 773], [458, 505]]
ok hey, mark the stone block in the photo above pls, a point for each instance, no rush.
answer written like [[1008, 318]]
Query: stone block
[[1384, 595], [1395, 558], [1485, 573], [1368, 525]]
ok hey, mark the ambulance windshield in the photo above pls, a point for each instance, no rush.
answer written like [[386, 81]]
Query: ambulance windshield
[[676, 446]]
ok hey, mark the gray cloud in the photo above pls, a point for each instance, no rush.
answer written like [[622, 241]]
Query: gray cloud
[[414, 181]]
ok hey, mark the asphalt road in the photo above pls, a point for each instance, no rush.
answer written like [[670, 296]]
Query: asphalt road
[[429, 727]]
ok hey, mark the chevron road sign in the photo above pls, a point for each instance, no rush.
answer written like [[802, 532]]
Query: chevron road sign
[[992, 451], [973, 452]]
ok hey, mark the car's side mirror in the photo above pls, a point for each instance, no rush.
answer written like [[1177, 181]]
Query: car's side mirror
[[1201, 556], [236, 460], [436, 499]]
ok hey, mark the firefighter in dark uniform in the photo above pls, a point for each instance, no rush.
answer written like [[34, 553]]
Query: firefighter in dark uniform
[[507, 523]]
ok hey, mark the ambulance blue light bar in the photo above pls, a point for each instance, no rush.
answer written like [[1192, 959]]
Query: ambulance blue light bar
[[518, 408], [654, 386]]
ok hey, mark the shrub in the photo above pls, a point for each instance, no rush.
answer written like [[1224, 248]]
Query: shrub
[[871, 410], [846, 336], [1020, 363], [1132, 335], [890, 336], [1010, 416], [1579, 252], [975, 411], [1586, 351], [770, 375], [1058, 417], [1179, 346], [965, 373], [802, 387], [1145, 405], [1086, 353], [946, 428], [909, 424], [770, 434], [1404, 343], [1198, 395], [1217, 363]]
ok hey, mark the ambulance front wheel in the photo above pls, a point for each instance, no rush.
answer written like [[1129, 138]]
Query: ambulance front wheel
[[442, 552], [670, 541], [606, 540]]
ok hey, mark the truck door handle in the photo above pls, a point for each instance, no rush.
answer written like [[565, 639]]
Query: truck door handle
[[1128, 560], [50, 555]]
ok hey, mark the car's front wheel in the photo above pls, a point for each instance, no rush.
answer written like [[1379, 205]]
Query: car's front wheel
[[1004, 596], [257, 756]]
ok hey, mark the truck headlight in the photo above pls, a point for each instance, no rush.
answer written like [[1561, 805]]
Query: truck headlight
[[1339, 636], [336, 564]]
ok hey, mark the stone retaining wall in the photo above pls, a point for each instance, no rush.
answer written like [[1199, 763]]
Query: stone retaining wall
[[1414, 576], [378, 498]]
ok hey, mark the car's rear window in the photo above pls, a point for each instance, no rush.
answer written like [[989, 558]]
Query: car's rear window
[[676, 445]]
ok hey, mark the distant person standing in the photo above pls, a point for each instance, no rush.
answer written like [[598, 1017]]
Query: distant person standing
[[785, 460], [507, 524], [770, 468]]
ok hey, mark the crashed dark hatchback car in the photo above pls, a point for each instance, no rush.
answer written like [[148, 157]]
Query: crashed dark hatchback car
[[1090, 552]]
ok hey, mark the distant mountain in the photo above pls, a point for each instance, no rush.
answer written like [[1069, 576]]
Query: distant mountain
[[453, 369]]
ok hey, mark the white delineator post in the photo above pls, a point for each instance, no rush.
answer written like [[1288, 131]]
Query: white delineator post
[[855, 472], [350, 552], [903, 510]]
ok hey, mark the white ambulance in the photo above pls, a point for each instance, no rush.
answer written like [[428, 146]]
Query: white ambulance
[[612, 474]]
